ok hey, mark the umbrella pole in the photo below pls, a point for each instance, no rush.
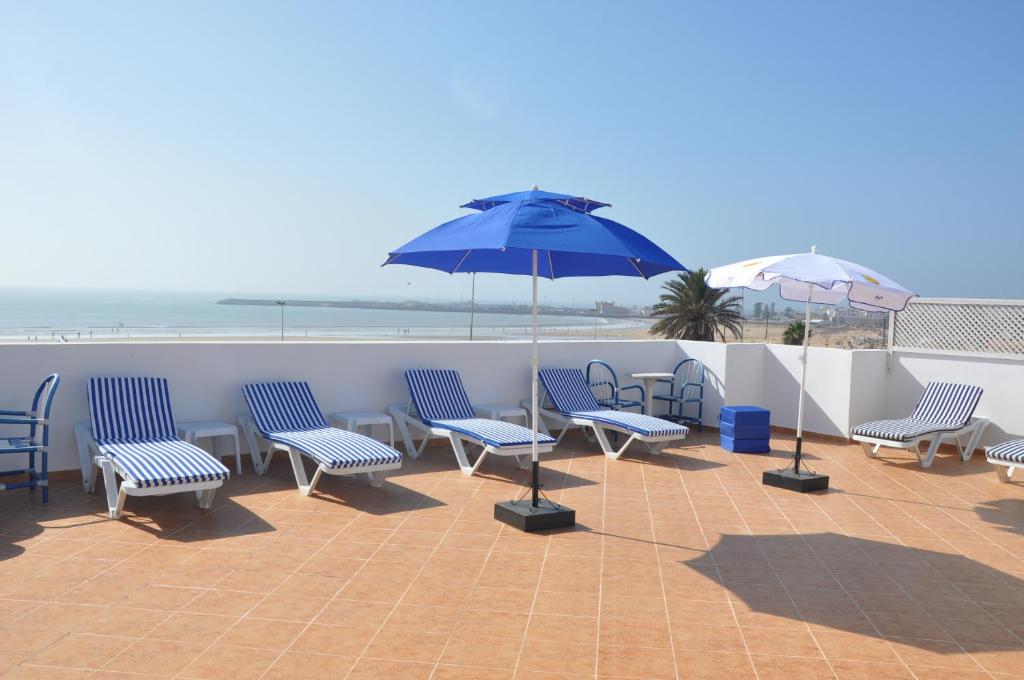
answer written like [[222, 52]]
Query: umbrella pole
[[536, 516], [534, 367], [803, 382], [472, 305]]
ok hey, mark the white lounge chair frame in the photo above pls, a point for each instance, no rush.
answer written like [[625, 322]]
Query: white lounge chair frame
[[117, 493], [974, 428], [406, 420], [1004, 468], [376, 473]]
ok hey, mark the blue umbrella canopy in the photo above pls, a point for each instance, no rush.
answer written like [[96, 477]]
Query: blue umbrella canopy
[[536, 233], [568, 243], [579, 203]]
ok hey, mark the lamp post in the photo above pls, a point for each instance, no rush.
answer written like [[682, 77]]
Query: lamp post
[[280, 303]]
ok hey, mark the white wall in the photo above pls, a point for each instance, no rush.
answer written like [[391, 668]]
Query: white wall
[[869, 387], [1002, 379], [844, 388], [769, 376], [206, 377]]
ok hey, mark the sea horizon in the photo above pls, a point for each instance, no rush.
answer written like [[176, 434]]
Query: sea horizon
[[52, 314]]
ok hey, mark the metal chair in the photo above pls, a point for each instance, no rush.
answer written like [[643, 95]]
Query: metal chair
[[685, 387], [37, 420], [605, 386]]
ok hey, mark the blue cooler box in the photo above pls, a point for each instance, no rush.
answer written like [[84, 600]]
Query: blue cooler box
[[745, 429]]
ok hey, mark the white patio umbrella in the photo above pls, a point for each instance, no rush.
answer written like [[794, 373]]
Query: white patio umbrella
[[813, 278]]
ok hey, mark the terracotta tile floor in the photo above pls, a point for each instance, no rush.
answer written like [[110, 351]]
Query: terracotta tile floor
[[682, 565]]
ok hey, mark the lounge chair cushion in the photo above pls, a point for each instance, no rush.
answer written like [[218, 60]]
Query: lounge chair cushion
[[497, 433], [949, 404], [1010, 452], [163, 462], [570, 394], [130, 409], [286, 413], [283, 407], [336, 449], [649, 426], [903, 430], [438, 395], [943, 407], [568, 390]]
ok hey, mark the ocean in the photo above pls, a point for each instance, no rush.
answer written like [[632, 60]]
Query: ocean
[[53, 315]]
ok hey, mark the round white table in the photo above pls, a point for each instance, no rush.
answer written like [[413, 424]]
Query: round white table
[[649, 381]]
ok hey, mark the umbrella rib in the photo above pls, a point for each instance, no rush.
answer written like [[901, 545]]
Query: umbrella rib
[[551, 266], [456, 268], [633, 262]]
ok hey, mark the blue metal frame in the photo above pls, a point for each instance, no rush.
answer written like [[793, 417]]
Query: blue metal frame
[[37, 419], [690, 390], [611, 383]]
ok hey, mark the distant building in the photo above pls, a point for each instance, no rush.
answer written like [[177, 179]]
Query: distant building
[[844, 314], [606, 308]]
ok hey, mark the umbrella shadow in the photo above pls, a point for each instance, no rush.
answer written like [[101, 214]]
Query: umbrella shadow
[[1006, 513], [930, 600]]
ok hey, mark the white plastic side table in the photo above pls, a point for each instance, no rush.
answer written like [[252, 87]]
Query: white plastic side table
[[506, 412], [191, 431], [83, 440], [353, 420], [650, 380]]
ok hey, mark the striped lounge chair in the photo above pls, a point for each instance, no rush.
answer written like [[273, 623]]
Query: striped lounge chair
[[1007, 457], [440, 407], [569, 401], [286, 415], [134, 437], [944, 410]]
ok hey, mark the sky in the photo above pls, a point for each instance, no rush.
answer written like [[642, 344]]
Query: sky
[[270, 148]]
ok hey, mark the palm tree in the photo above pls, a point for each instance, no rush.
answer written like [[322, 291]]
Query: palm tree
[[794, 334], [690, 309]]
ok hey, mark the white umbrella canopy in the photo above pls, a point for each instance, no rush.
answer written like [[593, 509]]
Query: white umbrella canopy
[[813, 278], [833, 280]]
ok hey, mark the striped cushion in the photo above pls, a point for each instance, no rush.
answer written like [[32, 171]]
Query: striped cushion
[[1011, 452], [947, 404], [130, 409], [568, 390], [283, 407], [335, 449], [164, 462], [496, 433], [649, 426], [944, 407], [287, 413], [438, 394], [900, 430]]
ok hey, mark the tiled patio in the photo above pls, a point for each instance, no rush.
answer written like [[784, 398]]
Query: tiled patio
[[682, 565]]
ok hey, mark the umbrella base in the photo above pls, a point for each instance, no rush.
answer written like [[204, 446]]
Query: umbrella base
[[787, 479], [525, 517]]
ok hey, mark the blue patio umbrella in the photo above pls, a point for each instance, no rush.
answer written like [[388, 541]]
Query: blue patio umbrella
[[536, 233]]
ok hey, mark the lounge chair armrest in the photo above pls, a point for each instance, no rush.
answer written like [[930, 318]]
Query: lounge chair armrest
[[5, 412], [643, 393], [22, 421]]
